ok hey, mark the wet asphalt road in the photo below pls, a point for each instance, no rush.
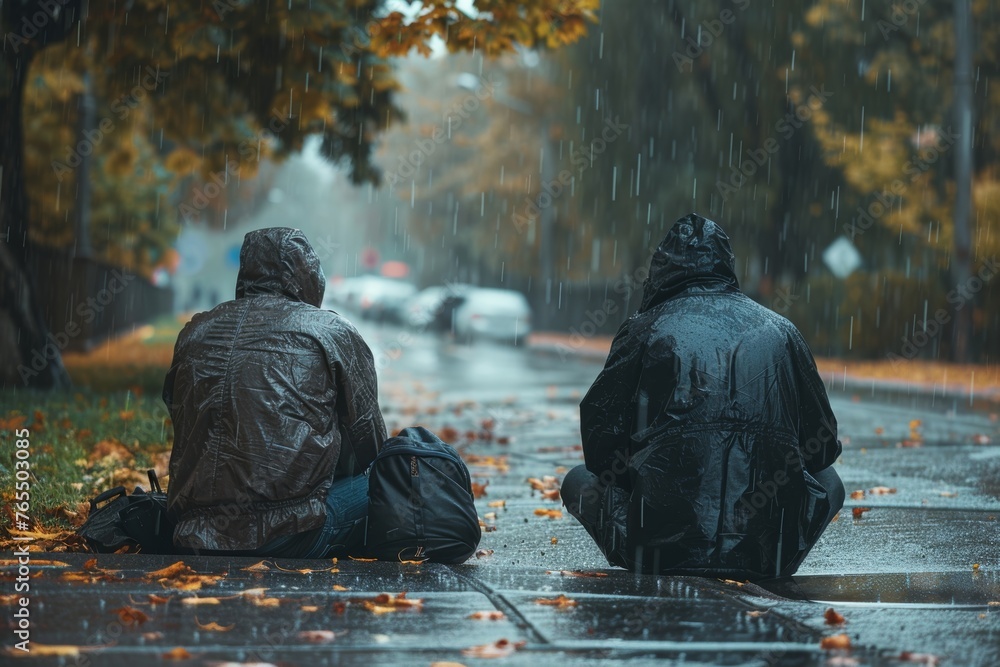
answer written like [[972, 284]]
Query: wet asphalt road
[[903, 575]]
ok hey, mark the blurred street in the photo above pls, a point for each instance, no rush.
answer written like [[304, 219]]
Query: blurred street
[[917, 576]]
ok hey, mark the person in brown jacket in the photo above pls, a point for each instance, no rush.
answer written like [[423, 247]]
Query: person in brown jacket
[[274, 404]]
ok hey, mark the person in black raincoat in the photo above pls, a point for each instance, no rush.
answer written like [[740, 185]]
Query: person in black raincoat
[[708, 437], [274, 404]]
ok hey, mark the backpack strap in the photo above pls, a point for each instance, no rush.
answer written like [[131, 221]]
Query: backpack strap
[[417, 500], [154, 482]]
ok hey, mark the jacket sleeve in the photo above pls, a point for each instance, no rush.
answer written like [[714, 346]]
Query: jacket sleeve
[[362, 427], [817, 424], [608, 410]]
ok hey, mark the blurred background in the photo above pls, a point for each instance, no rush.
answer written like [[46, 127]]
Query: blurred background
[[849, 149]]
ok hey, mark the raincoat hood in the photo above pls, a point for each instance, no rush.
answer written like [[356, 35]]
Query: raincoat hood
[[694, 253], [710, 419], [280, 261]]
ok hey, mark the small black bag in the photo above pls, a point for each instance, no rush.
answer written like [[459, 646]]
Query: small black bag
[[138, 522], [420, 502]]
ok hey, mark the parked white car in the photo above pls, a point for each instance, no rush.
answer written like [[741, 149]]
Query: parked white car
[[496, 314]]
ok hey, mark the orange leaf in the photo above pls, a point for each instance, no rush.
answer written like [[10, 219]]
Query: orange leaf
[[129, 616], [857, 495], [212, 626], [479, 490], [858, 512], [833, 618], [835, 642], [561, 602], [578, 573], [179, 653], [552, 514], [487, 615]]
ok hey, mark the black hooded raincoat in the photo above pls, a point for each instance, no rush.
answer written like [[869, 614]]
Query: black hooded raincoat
[[269, 395], [709, 418]]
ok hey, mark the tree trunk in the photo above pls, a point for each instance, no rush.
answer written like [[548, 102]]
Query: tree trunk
[[961, 260], [29, 356]]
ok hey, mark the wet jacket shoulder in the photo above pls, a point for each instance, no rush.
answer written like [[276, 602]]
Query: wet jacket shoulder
[[706, 398], [269, 395]]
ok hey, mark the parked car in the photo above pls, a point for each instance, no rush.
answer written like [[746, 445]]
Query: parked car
[[423, 309], [496, 314], [384, 299], [372, 297]]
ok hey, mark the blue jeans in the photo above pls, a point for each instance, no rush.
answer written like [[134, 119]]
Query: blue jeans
[[346, 513]]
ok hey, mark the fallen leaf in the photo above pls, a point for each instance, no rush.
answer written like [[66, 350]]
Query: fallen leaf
[[756, 613], [309, 608], [497, 503], [265, 602], [8, 562], [253, 593], [484, 553], [546, 483], [212, 626], [479, 490], [157, 599], [833, 618], [305, 570], [487, 616], [551, 494], [550, 513], [975, 567], [921, 658], [501, 648], [179, 653], [554, 540], [578, 573], [385, 603], [835, 642], [949, 494], [338, 587], [561, 602], [44, 650], [195, 600], [881, 491], [317, 636], [257, 567], [363, 560], [980, 439], [129, 616], [858, 512], [857, 495]]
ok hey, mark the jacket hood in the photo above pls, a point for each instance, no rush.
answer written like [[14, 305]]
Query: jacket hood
[[279, 260], [694, 253]]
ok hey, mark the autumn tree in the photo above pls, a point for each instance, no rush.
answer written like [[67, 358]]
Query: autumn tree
[[243, 81]]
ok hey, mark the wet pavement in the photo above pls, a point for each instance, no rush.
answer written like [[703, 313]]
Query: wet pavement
[[914, 577]]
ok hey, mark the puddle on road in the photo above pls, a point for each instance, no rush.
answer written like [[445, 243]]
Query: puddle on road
[[948, 589]]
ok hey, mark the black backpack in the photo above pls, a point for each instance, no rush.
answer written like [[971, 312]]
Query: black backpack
[[138, 522], [420, 502]]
